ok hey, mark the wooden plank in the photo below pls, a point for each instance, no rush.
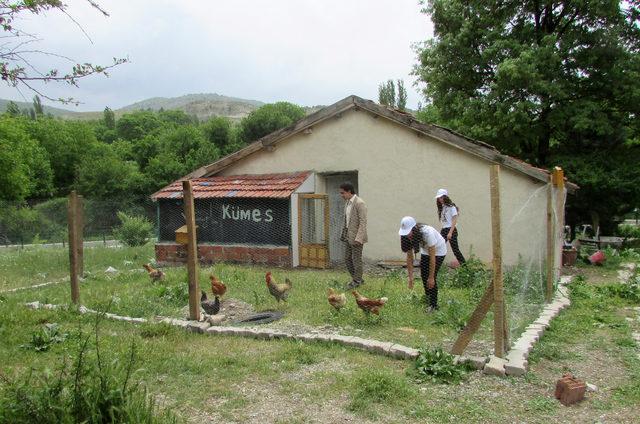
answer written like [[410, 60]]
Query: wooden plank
[[550, 254], [80, 235], [192, 251], [496, 239], [72, 210], [474, 322]]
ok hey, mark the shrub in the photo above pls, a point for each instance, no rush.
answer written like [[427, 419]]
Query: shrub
[[472, 274], [439, 367], [134, 230]]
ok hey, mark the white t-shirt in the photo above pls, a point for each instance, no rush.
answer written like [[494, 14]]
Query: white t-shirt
[[430, 238], [446, 218]]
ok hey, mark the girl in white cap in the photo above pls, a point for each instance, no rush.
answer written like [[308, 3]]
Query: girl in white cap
[[416, 237], [448, 215]]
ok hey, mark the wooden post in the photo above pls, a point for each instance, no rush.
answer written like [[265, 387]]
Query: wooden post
[[558, 182], [79, 235], [499, 323], [192, 251], [550, 244], [474, 322], [72, 224]]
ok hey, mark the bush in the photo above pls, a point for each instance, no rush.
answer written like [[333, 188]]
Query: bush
[[472, 274], [438, 366], [134, 231]]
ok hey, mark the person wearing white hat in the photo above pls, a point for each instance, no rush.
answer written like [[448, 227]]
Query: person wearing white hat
[[448, 215], [427, 240]]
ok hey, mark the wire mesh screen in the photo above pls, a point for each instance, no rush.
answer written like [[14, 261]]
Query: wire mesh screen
[[312, 212], [252, 221]]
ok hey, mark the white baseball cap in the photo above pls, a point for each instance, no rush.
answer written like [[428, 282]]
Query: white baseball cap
[[406, 224], [441, 192]]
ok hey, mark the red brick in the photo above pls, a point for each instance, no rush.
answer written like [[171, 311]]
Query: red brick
[[570, 390]]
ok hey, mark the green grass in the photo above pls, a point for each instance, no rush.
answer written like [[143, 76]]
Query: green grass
[[231, 379], [130, 292]]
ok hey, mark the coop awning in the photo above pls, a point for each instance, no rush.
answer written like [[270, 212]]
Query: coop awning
[[238, 186]]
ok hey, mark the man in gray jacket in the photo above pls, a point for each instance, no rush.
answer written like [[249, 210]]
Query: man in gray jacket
[[354, 232]]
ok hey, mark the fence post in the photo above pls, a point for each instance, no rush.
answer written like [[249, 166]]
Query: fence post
[[73, 246], [499, 320], [80, 234], [558, 182], [192, 251]]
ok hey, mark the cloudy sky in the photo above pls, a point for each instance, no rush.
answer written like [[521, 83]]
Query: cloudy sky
[[307, 52]]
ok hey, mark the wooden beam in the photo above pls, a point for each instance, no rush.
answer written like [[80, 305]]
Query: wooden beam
[[499, 323], [474, 322], [192, 251], [72, 210], [550, 244]]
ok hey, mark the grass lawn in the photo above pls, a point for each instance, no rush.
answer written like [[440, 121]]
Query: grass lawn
[[229, 379]]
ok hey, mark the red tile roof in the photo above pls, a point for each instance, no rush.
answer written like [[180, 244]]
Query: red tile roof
[[246, 186]]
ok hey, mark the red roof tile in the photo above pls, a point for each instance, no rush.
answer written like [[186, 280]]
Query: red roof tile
[[244, 186]]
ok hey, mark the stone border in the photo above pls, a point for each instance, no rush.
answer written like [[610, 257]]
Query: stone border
[[49, 283], [516, 361], [392, 350]]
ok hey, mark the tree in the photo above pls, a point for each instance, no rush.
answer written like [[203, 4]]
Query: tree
[[13, 109], [16, 67], [109, 118], [66, 143], [25, 164], [37, 107], [219, 132], [387, 94], [401, 102], [103, 175], [527, 75], [555, 83], [269, 118]]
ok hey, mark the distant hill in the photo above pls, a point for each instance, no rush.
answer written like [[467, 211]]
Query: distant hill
[[204, 106]]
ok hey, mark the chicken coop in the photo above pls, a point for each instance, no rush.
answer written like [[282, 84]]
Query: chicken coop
[[274, 219]]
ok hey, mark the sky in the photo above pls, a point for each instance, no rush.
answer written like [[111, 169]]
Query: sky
[[308, 52]]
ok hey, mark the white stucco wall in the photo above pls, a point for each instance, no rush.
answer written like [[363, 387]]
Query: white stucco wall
[[399, 172]]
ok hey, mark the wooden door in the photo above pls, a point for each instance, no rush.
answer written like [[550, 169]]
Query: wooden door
[[313, 230]]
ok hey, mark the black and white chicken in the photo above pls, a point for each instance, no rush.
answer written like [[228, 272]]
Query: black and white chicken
[[211, 307]]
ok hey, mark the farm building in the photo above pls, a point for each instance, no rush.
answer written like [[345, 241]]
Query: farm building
[[276, 200]]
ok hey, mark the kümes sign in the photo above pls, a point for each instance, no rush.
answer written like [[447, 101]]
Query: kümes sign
[[231, 221]]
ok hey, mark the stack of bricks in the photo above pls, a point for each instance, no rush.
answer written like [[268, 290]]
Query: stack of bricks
[[176, 254], [570, 390]]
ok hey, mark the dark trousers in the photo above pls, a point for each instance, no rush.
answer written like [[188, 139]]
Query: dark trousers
[[353, 260], [454, 243], [432, 294]]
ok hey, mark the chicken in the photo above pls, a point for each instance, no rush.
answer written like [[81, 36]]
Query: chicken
[[218, 288], [154, 274], [279, 291], [336, 300], [211, 307], [369, 305]]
